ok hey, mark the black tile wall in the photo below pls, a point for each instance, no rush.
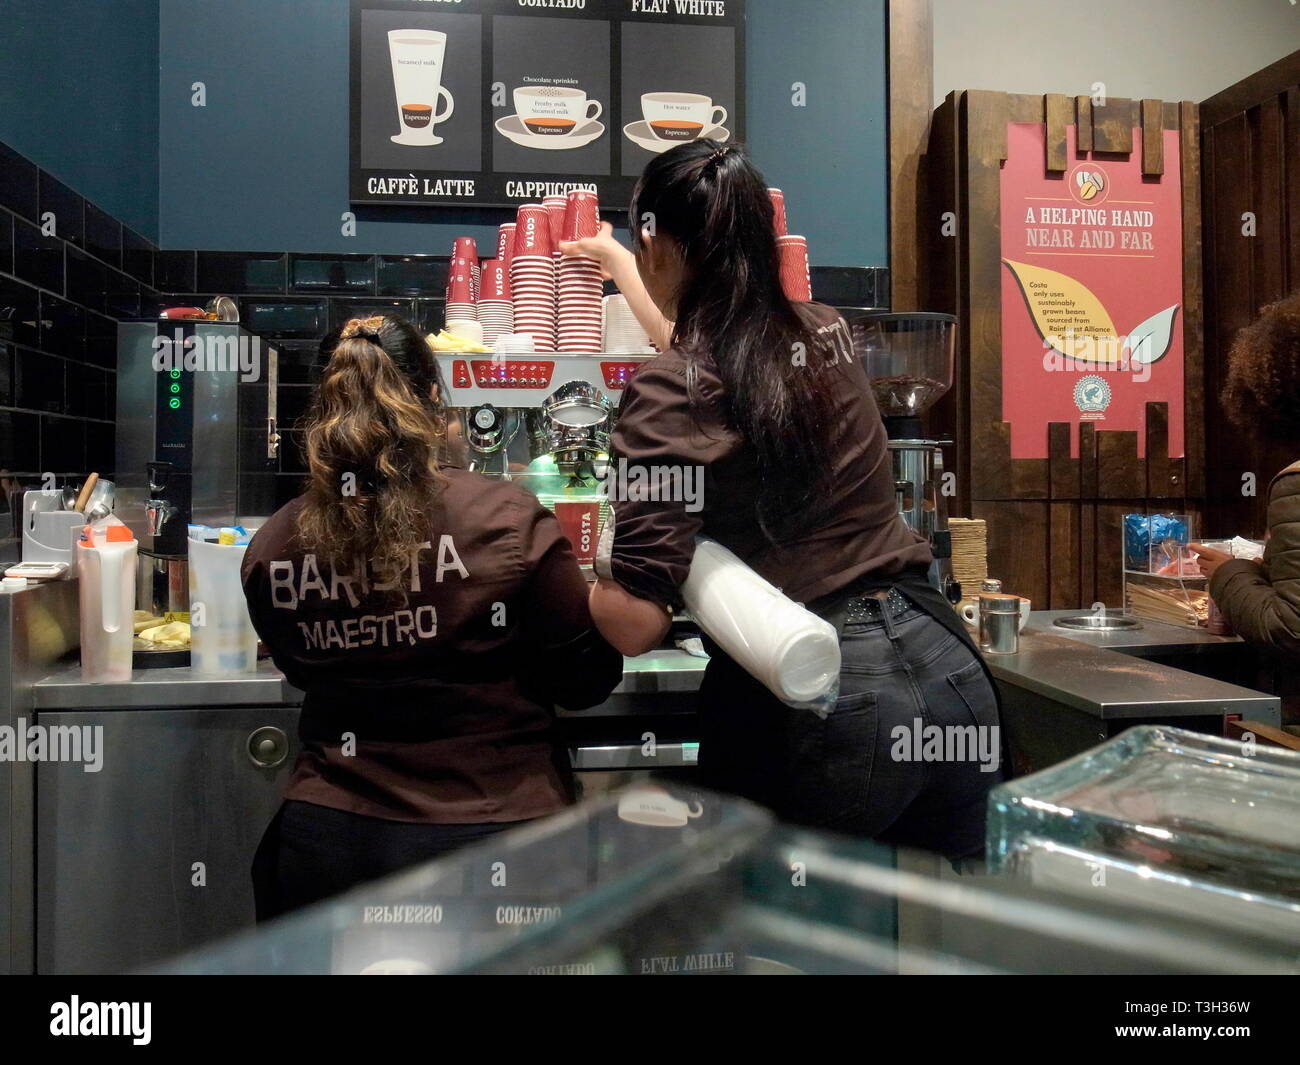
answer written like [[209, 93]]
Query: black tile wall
[[174, 271], [342, 308], [332, 274], [103, 236], [411, 275], [18, 184], [66, 207], [137, 257], [239, 272], [38, 259], [62, 289]]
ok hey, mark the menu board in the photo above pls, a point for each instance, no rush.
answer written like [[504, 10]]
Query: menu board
[[1092, 289], [503, 102]]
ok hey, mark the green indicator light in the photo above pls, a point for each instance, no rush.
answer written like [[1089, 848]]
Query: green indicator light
[[175, 387], [174, 402], [175, 374]]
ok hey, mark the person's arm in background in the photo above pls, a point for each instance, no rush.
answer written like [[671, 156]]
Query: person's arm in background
[[570, 663], [1262, 601], [648, 543], [618, 264]]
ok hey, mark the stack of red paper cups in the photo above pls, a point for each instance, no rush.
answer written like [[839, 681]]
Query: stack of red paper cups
[[555, 208], [796, 279], [461, 304], [464, 257], [580, 287], [532, 277], [496, 312]]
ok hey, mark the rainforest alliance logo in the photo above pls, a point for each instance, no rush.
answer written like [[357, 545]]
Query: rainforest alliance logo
[[1092, 397]]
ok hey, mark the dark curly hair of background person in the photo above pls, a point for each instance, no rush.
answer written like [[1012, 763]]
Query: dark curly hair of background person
[[1262, 390]]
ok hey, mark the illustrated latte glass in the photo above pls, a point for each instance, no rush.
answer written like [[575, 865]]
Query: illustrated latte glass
[[417, 57]]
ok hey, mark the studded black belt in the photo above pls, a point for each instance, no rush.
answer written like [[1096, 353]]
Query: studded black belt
[[875, 607]]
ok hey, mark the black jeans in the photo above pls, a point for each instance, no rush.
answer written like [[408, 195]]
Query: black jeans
[[907, 756], [311, 852]]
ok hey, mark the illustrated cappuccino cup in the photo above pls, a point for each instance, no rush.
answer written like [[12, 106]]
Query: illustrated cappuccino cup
[[554, 110], [680, 116]]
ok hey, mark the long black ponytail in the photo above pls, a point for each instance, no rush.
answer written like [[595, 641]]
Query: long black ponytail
[[733, 310]]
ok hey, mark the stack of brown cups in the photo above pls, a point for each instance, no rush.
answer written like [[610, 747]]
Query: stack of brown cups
[[496, 312], [464, 255], [796, 278], [778, 211], [581, 288], [532, 277], [506, 242], [461, 305]]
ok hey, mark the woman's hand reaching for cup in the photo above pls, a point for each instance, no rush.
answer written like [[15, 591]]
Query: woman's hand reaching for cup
[[1209, 559], [615, 260]]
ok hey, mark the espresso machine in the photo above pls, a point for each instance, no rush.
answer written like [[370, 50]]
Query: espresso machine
[[543, 421], [196, 443], [909, 360]]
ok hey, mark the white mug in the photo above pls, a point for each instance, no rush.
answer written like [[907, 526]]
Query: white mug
[[653, 806], [417, 57], [680, 116], [970, 613], [554, 110]]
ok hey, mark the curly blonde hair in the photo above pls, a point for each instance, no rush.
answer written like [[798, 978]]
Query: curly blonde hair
[[1262, 390]]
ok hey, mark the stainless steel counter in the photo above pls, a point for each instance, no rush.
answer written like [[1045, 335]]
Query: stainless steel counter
[[661, 672], [1108, 684], [1153, 638]]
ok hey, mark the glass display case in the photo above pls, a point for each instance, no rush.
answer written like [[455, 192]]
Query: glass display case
[[1172, 820], [648, 882]]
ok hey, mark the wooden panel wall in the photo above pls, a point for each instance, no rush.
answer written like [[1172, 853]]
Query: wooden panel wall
[[1250, 166], [1055, 524]]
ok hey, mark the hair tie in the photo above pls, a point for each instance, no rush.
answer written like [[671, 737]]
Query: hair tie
[[367, 328]]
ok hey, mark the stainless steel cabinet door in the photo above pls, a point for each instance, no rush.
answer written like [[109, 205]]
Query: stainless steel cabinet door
[[152, 854]]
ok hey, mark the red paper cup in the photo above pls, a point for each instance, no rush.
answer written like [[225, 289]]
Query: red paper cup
[[533, 231], [579, 521], [460, 283], [555, 207], [778, 211], [506, 242], [581, 215], [496, 281], [796, 278]]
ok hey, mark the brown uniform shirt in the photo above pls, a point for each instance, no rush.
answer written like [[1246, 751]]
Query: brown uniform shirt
[[449, 694], [654, 539]]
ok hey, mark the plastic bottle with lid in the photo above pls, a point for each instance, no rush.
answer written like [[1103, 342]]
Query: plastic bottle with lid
[[106, 568]]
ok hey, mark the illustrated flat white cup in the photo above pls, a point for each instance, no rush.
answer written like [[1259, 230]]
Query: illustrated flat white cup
[[417, 57], [652, 806], [554, 110], [971, 614], [680, 116]]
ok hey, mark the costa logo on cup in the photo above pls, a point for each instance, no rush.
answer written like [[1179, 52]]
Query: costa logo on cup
[[496, 281], [533, 230], [506, 242]]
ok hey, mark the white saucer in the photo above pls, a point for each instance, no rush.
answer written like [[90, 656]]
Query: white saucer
[[512, 128], [639, 133], [407, 139]]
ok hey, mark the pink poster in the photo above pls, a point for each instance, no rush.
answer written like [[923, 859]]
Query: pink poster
[[1092, 289]]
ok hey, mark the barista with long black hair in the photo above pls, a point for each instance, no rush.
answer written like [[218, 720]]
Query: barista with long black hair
[[764, 398]]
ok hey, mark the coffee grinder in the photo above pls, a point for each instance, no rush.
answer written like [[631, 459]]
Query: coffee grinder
[[909, 362]]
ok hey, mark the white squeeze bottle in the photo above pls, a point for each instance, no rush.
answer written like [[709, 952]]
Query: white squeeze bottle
[[106, 568]]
